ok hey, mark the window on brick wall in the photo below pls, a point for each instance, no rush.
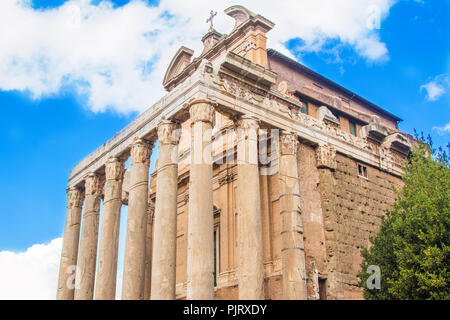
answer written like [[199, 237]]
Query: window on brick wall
[[352, 127], [362, 171], [323, 289]]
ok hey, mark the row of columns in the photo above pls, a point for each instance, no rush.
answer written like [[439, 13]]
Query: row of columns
[[200, 254]]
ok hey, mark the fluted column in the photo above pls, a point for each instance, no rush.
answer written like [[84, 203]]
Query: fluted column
[[292, 248], [250, 253], [165, 241], [66, 285], [200, 268], [89, 237], [105, 288], [134, 258]]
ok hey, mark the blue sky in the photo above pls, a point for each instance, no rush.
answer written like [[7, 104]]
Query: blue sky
[[56, 114]]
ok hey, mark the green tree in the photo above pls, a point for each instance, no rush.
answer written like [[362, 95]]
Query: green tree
[[412, 246]]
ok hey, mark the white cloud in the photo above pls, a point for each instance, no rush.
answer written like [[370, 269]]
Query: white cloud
[[442, 130], [436, 87], [32, 274], [116, 57]]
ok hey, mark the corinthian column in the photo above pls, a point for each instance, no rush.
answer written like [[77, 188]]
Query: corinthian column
[[105, 288], [292, 248], [250, 253], [164, 252], [200, 255], [134, 259], [69, 250], [85, 277]]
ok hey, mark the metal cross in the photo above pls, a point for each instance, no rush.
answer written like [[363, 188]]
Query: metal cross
[[212, 14]]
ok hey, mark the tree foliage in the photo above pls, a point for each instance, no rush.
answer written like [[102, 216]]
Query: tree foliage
[[413, 243]]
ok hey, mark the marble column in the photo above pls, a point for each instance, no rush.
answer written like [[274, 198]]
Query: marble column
[[165, 241], [250, 251], [87, 255], [292, 247], [134, 258], [69, 252], [105, 288], [149, 249], [200, 255]]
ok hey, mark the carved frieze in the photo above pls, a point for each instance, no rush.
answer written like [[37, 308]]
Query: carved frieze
[[114, 169], [326, 157], [140, 151]]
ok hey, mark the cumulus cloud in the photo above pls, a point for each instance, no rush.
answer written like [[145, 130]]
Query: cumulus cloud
[[442, 130], [32, 274], [115, 57], [436, 87]]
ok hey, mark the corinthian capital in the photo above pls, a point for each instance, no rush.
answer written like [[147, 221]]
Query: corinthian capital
[[326, 157], [74, 198], [140, 151], [92, 184], [247, 125], [114, 169], [168, 132], [288, 143], [201, 110]]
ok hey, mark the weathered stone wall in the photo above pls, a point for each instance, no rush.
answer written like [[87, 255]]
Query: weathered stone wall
[[352, 208]]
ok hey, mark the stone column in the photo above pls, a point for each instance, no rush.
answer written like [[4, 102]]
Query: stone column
[[134, 258], [67, 268], [250, 253], [105, 288], [200, 255], [292, 248], [87, 255], [149, 249], [165, 241]]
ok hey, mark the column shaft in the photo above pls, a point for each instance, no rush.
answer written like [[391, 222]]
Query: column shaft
[[105, 288], [292, 248], [250, 253], [87, 255], [164, 254], [149, 250], [134, 258], [200, 268], [69, 252]]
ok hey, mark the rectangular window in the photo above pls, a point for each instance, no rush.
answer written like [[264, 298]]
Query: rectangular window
[[352, 127], [304, 108], [323, 289], [362, 171]]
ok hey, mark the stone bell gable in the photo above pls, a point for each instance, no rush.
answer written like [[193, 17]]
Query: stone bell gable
[[269, 180]]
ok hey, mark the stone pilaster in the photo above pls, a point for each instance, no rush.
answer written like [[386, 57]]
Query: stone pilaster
[[292, 246], [200, 255], [87, 255], [164, 251], [134, 259], [105, 288], [326, 164], [250, 253], [69, 252]]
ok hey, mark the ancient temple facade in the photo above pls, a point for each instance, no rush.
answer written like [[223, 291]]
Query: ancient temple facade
[[269, 180]]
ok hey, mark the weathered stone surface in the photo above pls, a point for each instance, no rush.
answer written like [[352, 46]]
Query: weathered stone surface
[[105, 288], [87, 255], [134, 258], [251, 269], [69, 251], [164, 253]]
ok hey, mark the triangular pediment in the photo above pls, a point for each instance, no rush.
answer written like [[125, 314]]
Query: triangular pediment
[[181, 59]]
